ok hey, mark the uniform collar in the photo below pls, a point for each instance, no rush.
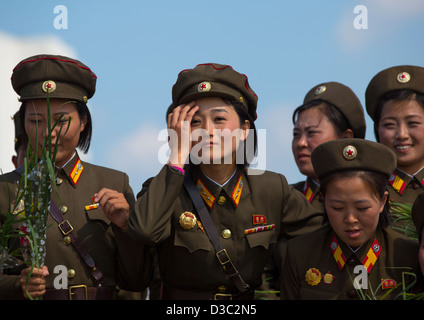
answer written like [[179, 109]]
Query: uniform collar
[[211, 192], [367, 254], [73, 170], [399, 180], [310, 189]]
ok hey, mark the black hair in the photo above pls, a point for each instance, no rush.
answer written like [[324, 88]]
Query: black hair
[[339, 121], [396, 95], [243, 116], [83, 113], [85, 137], [377, 185]]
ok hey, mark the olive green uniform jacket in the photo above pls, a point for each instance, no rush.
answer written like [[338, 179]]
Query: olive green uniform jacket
[[310, 190], [187, 257], [404, 188], [122, 261], [311, 271]]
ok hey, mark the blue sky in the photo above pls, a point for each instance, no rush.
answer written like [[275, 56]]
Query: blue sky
[[137, 48]]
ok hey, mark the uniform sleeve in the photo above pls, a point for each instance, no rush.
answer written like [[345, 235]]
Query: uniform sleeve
[[134, 258], [10, 287], [151, 220], [299, 216], [289, 283]]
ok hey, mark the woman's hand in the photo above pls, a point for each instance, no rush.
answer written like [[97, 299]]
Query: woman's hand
[[179, 130], [36, 285], [114, 206]]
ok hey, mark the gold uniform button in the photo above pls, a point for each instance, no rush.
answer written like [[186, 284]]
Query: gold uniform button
[[67, 240], [222, 289], [59, 181], [63, 209], [226, 234], [222, 200], [71, 273]]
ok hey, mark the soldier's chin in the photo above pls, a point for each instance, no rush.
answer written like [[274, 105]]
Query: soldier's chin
[[210, 158]]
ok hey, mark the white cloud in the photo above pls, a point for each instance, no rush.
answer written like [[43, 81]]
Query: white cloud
[[14, 49], [137, 154]]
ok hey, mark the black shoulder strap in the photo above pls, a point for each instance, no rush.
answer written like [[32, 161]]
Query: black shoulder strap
[[67, 230], [205, 218]]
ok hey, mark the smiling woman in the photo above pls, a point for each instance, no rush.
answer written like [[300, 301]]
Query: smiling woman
[[395, 101], [201, 213]]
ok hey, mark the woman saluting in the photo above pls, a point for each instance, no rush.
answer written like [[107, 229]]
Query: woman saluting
[[97, 255], [215, 222]]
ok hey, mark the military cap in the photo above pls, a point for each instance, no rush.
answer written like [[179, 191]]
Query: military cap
[[394, 78], [417, 213], [345, 100], [60, 76], [214, 80], [352, 154]]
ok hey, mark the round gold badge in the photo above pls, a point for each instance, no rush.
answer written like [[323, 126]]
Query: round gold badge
[[49, 86], [350, 152], [204, 86], [320, 90], [313, 276], [221, 200], [403, 77], [328, 278], [188, 220]]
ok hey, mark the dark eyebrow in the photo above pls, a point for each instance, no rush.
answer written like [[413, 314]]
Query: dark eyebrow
[[358, 201], [306, 128], [407, 117], [219, 110], [56, 113]]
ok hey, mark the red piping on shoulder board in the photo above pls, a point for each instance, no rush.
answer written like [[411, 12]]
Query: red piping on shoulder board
[[53, 58], [226, 66]]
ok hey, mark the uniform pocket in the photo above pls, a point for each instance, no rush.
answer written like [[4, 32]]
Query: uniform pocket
[[192, 240], [263, 238], [97, 214]]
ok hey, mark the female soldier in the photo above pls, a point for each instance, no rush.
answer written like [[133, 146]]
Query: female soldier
[[330, 111], [395, 101], [356, 246], [214, 220], [96, 253]]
